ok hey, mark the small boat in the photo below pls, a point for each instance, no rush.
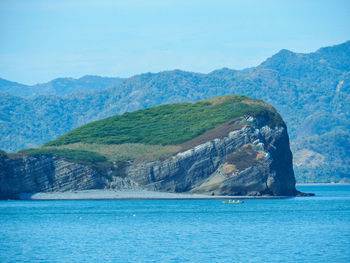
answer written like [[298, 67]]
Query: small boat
[[233, 202]]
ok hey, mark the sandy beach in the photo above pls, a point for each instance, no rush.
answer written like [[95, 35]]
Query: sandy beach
[[126, 194]]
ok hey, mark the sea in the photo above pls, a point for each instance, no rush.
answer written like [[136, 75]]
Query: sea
[[300, 229]]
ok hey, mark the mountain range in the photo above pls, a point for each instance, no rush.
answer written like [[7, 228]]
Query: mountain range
[[311, 91], [59, 86]]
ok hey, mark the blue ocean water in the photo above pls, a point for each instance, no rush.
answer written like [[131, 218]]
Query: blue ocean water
[[309, 229]]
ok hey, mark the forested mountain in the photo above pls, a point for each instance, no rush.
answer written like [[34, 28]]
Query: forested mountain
[[310, 91]]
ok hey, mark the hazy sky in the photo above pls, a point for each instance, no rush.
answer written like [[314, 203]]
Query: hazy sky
[[43, 40]]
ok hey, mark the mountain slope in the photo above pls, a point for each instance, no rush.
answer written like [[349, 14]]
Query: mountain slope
[[311, 92], [10, 87]]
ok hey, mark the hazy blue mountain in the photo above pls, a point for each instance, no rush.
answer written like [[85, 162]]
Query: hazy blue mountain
[[11, 87], [311, 91], [59, 86]]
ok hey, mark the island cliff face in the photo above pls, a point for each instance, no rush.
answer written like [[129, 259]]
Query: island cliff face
[[254, 160]]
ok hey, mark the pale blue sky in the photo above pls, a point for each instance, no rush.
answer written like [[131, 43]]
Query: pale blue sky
[[43, 40]]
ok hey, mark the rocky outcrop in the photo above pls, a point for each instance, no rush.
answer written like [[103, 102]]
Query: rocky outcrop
[[253, 160], [25, 174]]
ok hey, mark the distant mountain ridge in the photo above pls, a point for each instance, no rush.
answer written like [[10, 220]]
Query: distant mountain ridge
[[310, 91], [59, 86]]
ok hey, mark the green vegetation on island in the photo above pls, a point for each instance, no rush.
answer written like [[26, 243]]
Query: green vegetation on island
[[169, 124]]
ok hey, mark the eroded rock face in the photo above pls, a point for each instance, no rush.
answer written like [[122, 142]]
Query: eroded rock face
[[26, 174], [254, 160]]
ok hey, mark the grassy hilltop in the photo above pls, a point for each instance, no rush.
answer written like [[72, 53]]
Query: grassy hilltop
[[155, 132]]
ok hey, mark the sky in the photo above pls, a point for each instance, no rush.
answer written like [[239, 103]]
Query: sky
[[45, 39]]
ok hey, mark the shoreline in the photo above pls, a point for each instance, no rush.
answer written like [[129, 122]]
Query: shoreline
[[307, 184], [130, 195]]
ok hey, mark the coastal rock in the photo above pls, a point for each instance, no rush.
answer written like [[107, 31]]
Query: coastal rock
[[254, 160]]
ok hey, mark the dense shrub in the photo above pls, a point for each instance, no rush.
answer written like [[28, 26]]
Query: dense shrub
[[169, 124]]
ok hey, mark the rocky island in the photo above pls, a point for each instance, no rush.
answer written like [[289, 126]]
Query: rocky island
[[225, 146]]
